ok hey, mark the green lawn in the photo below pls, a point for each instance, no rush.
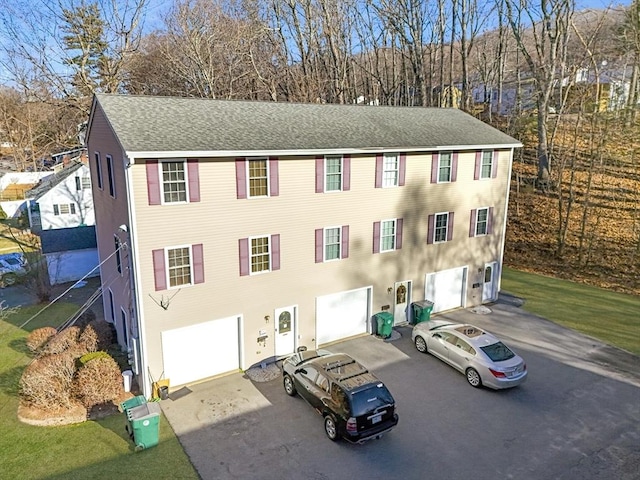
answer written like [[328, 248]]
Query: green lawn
[[96, 449], [611, 317]]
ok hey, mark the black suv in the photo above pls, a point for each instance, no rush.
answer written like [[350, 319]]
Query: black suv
[[355, 405]]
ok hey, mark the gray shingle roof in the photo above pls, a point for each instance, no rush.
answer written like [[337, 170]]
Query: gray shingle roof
[[48, 183], [171, 124]]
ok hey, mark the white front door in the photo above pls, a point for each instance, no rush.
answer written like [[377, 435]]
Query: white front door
[[285, 326], [401, 299], [489, 283]]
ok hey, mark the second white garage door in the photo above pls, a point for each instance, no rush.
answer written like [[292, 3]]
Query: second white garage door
[[446, 289], [201, 351], [342, 315]]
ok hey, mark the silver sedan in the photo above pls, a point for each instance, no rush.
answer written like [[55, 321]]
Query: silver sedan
[[479, 355]]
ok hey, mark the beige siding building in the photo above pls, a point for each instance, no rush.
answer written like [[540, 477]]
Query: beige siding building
[[231, 233]]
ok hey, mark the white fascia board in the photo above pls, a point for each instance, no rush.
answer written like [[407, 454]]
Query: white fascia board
[[334, 151]]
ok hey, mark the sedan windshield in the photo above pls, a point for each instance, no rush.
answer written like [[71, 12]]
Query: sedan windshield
[[498, 352]]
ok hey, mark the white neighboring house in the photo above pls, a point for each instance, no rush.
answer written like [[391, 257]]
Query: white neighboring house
[[61, 212]]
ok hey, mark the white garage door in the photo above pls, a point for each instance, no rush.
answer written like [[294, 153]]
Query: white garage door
[[446, 289], [342, 315], [201, 351]]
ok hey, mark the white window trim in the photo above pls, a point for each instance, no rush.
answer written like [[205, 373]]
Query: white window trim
[[324, 244], [395, 234], [326, 157], [98, 159], [268, 237], [166, 267], [186, 180], [480, 176], [248, 177], [435, 229], [475, 229], [440, 166], [397, 169], [111, 175]]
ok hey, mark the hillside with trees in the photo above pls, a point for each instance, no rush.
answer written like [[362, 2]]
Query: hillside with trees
[[563, 81]]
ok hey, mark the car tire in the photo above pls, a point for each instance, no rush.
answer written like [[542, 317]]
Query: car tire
[[9, 279], [331, 427], [421, 344], [289, 387], [473, 377]]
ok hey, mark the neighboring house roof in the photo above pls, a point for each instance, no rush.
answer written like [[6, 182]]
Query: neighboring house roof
[[67, 239], [150, 126], [48, 183]]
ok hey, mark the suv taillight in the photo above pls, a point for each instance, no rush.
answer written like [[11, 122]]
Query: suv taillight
[[352, 425]]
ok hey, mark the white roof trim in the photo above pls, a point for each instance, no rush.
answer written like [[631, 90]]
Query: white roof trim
[[338, 151]]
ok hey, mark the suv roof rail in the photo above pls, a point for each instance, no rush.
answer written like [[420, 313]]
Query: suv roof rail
[[354, 374], [338, 364]]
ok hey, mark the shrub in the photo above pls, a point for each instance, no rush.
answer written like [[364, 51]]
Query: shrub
[[98, 381], [83, 360], [39, 337], [104, 332], [65, 340], [85, 318], [89, 339], [46, 382]]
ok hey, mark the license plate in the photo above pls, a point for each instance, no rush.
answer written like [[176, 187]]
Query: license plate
[[376, 418]]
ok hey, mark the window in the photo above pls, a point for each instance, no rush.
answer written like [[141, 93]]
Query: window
[[64, 209], [440, 227], [110, 174], [333, 174], [391, 167], [98, 162], [117, 254], [83, 183], [387, 235], [486, 164], [444, 168], [332, 243], [174, 184], [112, 307], [480, 221], [258, 178], [259, 254], [178, 266]]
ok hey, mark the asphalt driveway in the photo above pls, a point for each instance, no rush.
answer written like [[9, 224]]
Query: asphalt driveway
[[577, 416]]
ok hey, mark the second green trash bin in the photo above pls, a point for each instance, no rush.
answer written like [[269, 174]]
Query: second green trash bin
[[384, 324], [421, 311]]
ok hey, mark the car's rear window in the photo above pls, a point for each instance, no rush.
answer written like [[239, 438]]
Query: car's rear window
[[498, 352], [366, 401]]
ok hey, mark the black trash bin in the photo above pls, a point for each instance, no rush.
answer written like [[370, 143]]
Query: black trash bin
[[421, 311]]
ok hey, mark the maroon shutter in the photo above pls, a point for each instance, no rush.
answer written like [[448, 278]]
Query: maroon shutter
[[450, 227], [430, 228], [241, 178], [345, 242], [379, 168], [194, 180], [243, 248], [153, 182], [403, 168], [476, 171], [494, 164], [346, 172], [399, 234], [472, 223], [198, 263], [435, 158], [490, 221], [454, 167], [319, 174], [376, 237], [158, 269], [274, 181], [275, 252], [319, 245]]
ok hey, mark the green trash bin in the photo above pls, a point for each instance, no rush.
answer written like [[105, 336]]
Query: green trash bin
[[384, 323], [421, 311], [144, 422], [132, 402]]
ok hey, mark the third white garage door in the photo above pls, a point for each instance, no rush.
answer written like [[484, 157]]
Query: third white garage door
[[446, 289], [342, 315]]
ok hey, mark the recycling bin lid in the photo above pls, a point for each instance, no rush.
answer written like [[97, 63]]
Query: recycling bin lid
[[383, 315], [423, 303], [144, 410]]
